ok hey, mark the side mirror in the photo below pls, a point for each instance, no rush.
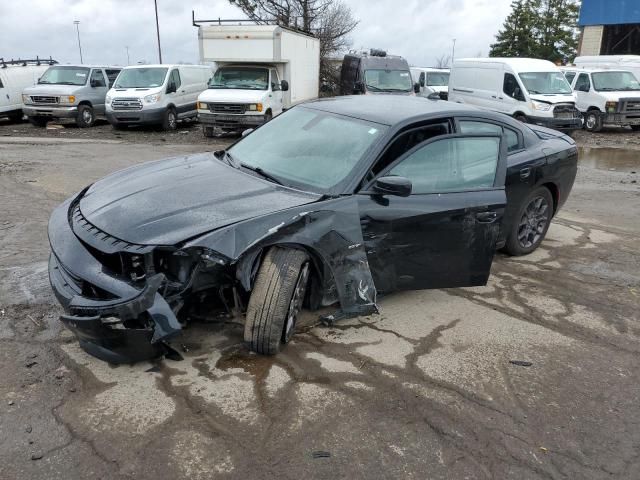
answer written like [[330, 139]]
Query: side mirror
[[416, 87], [422, 82], [518, 95], [284, 85], [392, 185], [171, 88], [358, 87], [434, 96], [584, 88], [246, 132]]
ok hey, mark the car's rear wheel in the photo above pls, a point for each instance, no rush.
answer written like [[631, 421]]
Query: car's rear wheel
[[16, 116], [170, 121], [38, 121], [531, 224], [593, 121], [86, 118], [276, 299]]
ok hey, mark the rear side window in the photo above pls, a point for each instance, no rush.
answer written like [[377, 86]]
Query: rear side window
[[512, 88], [97, 78], [583, 83], [485, 128], [112, 74], [451, 165]]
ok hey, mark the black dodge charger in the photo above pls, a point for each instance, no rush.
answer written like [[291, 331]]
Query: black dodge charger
[[332, 202]]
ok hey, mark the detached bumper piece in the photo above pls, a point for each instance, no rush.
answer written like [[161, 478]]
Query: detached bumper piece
[[113, 320]]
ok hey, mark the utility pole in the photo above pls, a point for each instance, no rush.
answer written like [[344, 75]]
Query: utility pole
[[77, 24], [127, 55], [453, 52], [155, 2]]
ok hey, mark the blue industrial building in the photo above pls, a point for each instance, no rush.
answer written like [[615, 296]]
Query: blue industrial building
[[610, 27]]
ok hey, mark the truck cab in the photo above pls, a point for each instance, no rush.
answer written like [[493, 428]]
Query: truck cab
[[375, 72], [607, 97], [432, 80]]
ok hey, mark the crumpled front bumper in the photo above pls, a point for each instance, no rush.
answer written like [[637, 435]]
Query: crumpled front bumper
[[130, 326]]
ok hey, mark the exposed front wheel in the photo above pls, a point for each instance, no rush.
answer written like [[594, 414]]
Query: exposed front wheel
[[86, 117], [531, 224], [276, 300], [521, 117], [170, 121], [593, 121]]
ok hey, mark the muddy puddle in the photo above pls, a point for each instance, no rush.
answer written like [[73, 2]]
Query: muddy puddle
[[610, 159]]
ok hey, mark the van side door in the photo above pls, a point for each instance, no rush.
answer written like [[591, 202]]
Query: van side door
[[276, 92], [512, 98], [97, 90], [173, 92], [582, 88]]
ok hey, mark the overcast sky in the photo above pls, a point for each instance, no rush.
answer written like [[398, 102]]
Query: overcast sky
[[420, 30]]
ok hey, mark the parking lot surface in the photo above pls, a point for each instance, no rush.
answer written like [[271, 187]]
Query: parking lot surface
[[535, 375]]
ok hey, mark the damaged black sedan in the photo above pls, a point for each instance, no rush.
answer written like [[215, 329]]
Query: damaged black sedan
[[332, 202]]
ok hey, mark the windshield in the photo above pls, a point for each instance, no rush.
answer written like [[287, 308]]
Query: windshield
[[615, 81], [546, 83], [388, 80], [141, 77], [65, 76], [437, 79], [306, 148], [240, 78]]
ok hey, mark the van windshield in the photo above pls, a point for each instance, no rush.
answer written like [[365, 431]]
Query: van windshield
[[388, 80], [615, 81], [240, 78], [65, 76], [439, 79], [545, 83], [141, 77]]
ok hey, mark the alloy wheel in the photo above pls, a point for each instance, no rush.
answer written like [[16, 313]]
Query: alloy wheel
[[296, 303], [533, 222]]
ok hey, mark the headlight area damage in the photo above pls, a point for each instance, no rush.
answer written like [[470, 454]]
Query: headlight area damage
[[122, 300]]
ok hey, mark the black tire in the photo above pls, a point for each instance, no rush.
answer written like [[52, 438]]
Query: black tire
[[593, 121], [531, 224], [208, 132], [16, 117], [86, 116], [268, 117], [635, 128], [118, 126], [38, 121], [170, 121], [521, 117], [276, 299]]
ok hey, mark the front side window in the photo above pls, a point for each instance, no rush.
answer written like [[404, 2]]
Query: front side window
[[275, 82], [512, 88], [141, 77], [240, 78], [388, 80], [175, 79], [451, 165], [60, 75], [583, 84], [484, 128], [295, 148], [615, 82], [545, 83], [438, 79], [97, 79]]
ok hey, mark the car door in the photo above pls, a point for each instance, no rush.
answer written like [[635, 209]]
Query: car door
[[512, 98], [173, 91], [98, 90], [582, 87], [276, 92], [444, 233]]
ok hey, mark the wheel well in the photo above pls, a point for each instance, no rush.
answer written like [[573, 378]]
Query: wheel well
[[518, 114], [590, 109], [555, 194], [171, 106], [86, 102], [268, 111]]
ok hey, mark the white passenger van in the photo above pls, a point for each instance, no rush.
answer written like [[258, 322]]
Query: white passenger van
[[432, 80], [629, 63], [15, 76], [529, 90], [156, 95]]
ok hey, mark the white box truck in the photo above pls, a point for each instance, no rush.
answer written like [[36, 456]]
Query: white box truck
[[15, 76], [261, 70]]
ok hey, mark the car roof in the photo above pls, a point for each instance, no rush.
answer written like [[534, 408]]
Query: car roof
[[387, 109], [166, 65], [73, 65], [431, 69], [517, 64]]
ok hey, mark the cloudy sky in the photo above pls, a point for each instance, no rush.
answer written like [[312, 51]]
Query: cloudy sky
[[420, 30]]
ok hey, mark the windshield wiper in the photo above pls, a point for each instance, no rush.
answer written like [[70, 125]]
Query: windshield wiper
[[262, 173], [375, 89], [227, 157]]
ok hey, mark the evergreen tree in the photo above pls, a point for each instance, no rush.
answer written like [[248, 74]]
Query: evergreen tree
[[517, 37]]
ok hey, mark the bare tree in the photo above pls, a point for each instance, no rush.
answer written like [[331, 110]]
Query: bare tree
[[331, 21], [443, 61]]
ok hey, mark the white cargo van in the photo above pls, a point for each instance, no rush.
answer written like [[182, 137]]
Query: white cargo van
[[607, 97], [432, 80], [15, 76], [629, 63], [261, 71], [530, 90], [156, 95]]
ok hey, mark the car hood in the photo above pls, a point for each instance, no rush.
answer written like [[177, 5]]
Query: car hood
[[224, 95], [169, 201], [616, 96], [50, 89], [554, 99]]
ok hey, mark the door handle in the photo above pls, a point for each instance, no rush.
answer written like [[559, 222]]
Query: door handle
[[486, 217], [525, 173]]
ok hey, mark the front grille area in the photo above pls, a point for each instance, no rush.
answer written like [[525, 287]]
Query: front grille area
[[566, 111], [44, 99], [631, 105], [230, 108], [126, 104]]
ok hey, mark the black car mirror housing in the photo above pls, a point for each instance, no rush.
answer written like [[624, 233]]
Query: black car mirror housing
[[392, 185]]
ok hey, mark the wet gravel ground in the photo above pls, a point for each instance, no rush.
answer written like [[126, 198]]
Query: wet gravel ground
[[535, 376]]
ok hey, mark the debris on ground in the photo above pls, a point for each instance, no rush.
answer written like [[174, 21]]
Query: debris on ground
[[520, 363], [320, 454]]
